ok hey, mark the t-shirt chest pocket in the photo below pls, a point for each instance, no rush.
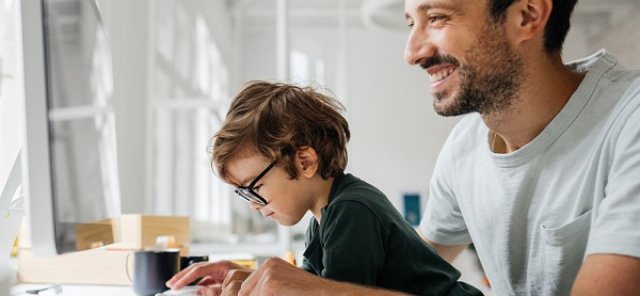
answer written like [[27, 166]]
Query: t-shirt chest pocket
[[564, 249]]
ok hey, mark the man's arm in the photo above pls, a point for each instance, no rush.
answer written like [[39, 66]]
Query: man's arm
[[448, 252], [277, 277], [608, 274]]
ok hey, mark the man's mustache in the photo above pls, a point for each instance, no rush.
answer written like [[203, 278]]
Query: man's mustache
[[437, 60]]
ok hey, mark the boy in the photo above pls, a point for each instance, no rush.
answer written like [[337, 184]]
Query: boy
[[284, 148]]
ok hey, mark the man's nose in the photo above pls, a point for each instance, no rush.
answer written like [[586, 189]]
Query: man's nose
[[418, 47]]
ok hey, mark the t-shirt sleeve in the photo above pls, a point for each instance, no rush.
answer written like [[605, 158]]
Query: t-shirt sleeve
[[616, 225], [353, 243], [442, 221]]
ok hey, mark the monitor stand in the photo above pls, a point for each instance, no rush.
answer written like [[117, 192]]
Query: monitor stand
[[11, 211]]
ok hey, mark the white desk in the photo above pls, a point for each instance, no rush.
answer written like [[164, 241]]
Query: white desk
[[88, 290], [67, 290], [74, 290]]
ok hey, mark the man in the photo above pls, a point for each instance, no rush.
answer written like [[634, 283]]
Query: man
[[543, 175]]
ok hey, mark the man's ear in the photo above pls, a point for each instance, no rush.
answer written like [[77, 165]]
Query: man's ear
[[530, 18], [307, 161]]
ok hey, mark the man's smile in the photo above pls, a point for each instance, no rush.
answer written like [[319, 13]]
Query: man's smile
[[438, 75]]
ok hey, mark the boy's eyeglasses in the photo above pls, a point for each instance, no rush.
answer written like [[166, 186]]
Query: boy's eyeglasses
[[247, 192]]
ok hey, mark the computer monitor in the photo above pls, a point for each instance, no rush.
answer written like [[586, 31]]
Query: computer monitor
[[5, 280], [69, 154]]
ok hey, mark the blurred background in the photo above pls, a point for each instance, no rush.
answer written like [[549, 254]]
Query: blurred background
[[175, 65]]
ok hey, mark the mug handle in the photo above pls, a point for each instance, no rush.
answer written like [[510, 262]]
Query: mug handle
[[127, 267]]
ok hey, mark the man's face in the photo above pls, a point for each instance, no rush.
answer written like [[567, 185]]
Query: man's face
[[468, 56]]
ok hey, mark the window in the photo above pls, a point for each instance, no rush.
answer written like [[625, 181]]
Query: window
[[11, 92], [189, 100]]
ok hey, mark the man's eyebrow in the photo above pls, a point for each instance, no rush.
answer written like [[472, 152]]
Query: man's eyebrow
[[422, 8]]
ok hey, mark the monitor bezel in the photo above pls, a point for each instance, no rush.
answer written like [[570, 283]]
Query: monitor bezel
[[36, 153]]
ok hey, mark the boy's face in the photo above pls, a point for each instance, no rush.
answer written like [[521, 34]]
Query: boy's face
[[287, 200]]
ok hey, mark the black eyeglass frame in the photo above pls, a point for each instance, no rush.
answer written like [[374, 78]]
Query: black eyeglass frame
[[249, 194]]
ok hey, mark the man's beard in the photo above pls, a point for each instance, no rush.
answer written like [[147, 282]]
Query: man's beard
[[488, 85]]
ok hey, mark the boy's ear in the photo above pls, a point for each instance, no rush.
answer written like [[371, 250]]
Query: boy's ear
[[307, 161]]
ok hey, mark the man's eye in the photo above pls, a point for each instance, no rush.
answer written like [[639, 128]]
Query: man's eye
[[410, 25], [257, 187], [436, 18]]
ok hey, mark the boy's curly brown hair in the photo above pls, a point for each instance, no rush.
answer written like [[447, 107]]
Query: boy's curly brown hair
[[276, 120]]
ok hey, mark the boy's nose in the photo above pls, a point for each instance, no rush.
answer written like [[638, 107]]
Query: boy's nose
[[255, 206]]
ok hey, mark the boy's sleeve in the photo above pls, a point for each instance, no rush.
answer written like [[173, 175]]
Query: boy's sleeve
[[354, 243], [306, 265]]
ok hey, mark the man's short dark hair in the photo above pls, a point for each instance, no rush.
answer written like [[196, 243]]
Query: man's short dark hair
[[557, 27]]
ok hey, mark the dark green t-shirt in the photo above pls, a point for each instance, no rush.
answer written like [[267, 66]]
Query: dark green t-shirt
[[363, 239]]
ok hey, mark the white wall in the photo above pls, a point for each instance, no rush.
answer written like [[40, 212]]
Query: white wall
[[575, 45], [132, 26], [396, 135], [128, 23], [619, 36], [622, 40]]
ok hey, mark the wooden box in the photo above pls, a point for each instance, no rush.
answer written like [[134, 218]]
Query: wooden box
[[107, 265], [134, 232]]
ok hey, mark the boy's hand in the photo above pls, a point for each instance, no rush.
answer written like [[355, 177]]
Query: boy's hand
[[211, 272]]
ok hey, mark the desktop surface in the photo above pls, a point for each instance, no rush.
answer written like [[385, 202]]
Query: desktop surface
[[74, 290], [93, 290], [20, 289]]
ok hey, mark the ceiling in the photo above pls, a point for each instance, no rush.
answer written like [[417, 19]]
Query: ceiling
[[594, 16]]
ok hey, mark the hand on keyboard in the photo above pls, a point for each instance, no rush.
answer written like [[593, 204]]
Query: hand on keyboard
[[185, 291]]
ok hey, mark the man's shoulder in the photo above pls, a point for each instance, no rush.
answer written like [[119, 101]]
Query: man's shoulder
[[622, 88], [620, 79]]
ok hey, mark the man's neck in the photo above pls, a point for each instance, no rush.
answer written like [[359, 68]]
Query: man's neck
[[547, 87]]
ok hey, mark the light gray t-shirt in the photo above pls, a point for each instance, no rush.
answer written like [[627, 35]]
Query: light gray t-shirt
[[536, 213]]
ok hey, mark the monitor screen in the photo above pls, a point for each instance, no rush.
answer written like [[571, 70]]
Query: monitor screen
[[70, 151]]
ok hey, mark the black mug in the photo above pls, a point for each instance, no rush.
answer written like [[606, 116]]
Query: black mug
[[186, 261], [152, 269]]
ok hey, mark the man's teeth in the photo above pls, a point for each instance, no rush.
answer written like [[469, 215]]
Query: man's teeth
[[440, 75]]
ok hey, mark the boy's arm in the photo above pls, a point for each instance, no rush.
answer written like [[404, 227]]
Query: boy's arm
[[353, 244]]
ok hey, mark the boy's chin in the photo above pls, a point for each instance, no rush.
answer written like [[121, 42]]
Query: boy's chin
[[288, 222]]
